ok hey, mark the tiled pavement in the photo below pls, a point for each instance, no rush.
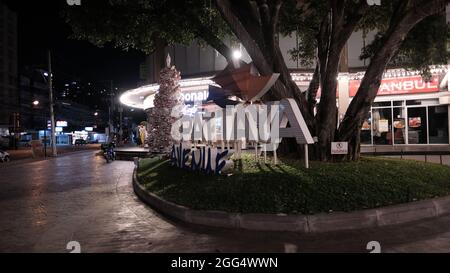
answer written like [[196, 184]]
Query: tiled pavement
[[78, 197]]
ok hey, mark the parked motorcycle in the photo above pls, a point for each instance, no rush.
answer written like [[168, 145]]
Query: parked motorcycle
[[109, 152], [4, 156]]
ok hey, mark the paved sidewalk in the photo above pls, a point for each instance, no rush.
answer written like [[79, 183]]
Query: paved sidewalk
[[443, 160], [419, 149]]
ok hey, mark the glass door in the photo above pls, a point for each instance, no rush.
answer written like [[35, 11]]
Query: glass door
[[399, 125], [438, 124], [382, 126], [417, 125], [366, 130]]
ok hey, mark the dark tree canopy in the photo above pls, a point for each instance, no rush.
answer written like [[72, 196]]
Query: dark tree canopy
[[140, 24], [425, 44]]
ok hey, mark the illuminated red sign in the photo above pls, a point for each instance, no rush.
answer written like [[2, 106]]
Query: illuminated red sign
[[401, 86]]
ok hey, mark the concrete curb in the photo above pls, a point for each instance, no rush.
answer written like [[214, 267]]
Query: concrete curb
[[393, 215]]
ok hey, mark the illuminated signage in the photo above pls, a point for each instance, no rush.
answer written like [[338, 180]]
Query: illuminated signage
[[256, 123], [89, 129], [61, 124], [264, 124], [400, 86], [207, 160], [58, 129], [194, 96]]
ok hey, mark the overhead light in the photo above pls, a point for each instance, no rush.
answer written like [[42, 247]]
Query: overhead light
[[36, 103], [237, 54]]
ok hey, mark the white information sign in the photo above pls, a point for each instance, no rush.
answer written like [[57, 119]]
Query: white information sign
[[339, 148]]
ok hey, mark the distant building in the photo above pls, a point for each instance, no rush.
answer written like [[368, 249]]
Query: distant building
[[9, 98], [33, 89], [93, 94], [75, 116]]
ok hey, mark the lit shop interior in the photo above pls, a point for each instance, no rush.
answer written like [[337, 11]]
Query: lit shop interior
[[67, 137]]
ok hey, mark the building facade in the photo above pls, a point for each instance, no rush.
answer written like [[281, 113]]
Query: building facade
[[74, 120], [9, 98]]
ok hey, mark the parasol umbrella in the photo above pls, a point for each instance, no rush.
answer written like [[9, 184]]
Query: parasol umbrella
[[221, 97], [244, 82], [253, 87]]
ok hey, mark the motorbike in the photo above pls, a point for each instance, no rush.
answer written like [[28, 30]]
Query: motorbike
[[108, 152], [4, 156]]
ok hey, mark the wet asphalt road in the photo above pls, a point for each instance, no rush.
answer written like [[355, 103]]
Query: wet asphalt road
[[46, 204]]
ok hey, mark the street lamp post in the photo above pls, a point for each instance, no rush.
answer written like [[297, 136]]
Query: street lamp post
[[52, 113], [121, 125], [111, 108], [111, 111], [35, 105], [45, 138]]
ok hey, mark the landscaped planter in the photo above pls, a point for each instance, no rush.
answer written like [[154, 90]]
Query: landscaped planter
[[323, 222]]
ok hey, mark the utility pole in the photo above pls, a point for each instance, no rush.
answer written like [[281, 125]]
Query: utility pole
[[52, 113], [121, 124], [447, 16], [111, 111]]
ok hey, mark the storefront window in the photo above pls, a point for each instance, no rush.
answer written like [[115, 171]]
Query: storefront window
[[382, 126], [382, 104], [366, 136], [413, 102], [417, 125], [438, 124], [417, 122]]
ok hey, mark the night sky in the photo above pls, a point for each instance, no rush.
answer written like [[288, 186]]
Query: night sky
[[41, 27]]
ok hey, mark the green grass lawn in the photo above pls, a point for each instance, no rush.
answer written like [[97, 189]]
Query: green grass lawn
[[290, 188]]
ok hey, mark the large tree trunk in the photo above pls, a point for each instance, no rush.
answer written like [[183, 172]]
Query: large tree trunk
[[354, 144], [256, 28], [396, 34], [205, 33], [326, 115], [255, 25], [333, 36]]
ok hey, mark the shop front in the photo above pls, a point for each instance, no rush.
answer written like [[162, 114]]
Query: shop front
[[407, 111], [406, 122]]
